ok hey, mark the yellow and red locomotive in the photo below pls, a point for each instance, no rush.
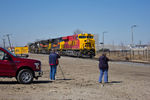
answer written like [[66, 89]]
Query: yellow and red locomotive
[[75, 45]]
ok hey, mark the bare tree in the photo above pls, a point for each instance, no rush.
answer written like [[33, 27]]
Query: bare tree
[[149, 45], [122, 46], [140, 42], [96, 37], [77, 31], [4, 43]]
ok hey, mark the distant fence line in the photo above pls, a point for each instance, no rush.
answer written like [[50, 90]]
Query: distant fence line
[[143, 55]]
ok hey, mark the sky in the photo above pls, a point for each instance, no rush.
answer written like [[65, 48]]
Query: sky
[[31, 20]]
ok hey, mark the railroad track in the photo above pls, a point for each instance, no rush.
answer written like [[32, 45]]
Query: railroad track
[[122, 61]]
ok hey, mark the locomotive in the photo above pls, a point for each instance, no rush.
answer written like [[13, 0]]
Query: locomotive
[[79, 45]]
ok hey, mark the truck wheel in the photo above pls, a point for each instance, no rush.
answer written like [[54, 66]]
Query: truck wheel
[[25, 76]]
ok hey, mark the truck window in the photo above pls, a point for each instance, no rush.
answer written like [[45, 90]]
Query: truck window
[[10, 52], [2, 54]]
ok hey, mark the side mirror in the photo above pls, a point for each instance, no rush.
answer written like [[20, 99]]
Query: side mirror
[[27, 56]]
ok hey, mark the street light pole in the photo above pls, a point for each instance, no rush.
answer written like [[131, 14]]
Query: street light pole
[[132, 39]]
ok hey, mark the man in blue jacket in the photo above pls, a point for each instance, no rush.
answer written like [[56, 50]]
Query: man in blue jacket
[[103, 67], [53, 62]]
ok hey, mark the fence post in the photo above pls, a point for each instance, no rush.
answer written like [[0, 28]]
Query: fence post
[[138, 55], [130, 54], [133, 54], [143, 54], [126, 54], [147, 54]]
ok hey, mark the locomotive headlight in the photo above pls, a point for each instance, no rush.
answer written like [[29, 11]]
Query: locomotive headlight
[[37, 65]]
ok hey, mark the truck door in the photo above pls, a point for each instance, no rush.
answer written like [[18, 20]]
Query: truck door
[[7, 66]]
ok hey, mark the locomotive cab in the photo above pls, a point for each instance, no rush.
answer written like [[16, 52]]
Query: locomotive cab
[[87, 44]]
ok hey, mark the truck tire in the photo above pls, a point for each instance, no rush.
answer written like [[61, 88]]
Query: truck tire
[[25, 76]]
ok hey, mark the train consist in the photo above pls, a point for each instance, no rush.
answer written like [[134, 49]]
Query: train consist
[[79, 45]]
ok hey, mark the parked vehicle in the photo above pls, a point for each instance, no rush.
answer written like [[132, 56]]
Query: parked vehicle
[[24, 70], [21, 51]]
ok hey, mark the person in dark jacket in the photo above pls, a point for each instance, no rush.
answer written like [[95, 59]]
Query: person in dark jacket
[[53, 62], [103, 67]]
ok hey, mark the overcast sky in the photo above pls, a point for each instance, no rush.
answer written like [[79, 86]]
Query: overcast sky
[[30, 20]]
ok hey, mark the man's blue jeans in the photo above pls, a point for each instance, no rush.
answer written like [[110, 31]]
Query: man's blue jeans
[[53, 69], [105, 72]]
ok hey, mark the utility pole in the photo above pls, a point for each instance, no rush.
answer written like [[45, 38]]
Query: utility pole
[[9, 40], [103, 40], [113, 47], [4, 43]]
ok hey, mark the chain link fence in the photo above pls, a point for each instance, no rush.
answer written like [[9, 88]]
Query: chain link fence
[[128, 55]]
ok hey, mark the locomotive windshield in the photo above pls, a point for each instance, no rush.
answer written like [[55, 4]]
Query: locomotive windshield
[[82, 37], [91, 37]]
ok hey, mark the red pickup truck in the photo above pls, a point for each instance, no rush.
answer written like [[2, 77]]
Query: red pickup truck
[[24, 70]]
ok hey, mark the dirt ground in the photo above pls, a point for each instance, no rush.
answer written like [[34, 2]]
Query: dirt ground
[[126, 82]]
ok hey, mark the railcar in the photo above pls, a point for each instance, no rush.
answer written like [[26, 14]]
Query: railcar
[[39, 47]]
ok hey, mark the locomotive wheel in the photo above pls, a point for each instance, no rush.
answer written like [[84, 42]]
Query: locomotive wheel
[[79, 54]]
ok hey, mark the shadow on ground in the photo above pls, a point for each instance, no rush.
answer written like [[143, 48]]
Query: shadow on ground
[[34, 82], [9, 82], [115, 82], [41, 82], [64, 79]]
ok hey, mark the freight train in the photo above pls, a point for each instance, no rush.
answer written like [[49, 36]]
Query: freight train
[[79, 45]]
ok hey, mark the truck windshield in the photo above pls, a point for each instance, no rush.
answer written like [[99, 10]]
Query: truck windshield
[[10, 52]]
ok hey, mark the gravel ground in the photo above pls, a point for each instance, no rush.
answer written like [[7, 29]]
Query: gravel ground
[[126, 82]]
